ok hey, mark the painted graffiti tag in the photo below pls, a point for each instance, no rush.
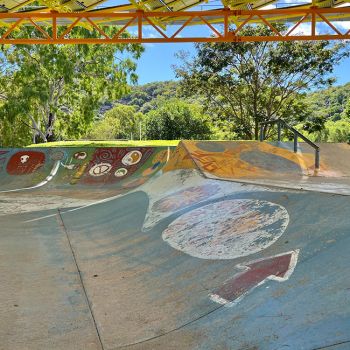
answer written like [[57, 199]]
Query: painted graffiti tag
[[25, 162], [255, 273], [109, 165]]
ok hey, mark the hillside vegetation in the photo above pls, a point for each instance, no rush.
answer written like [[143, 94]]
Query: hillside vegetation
[[332, 107], [329, 108], [330, 103], [223, 92]]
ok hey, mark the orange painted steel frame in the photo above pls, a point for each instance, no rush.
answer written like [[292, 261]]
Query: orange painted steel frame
[[140, 19]]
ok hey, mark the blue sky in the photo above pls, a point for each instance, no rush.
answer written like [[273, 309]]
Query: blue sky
[[157, 60]]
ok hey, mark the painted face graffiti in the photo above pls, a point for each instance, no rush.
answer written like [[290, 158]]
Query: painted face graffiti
[[25, 162], [100, 169], [24, 158]]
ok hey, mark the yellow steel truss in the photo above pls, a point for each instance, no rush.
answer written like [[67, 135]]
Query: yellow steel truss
[[169, 20]]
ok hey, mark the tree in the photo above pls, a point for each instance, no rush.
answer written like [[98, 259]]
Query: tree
[[120, 122], [250, 82], [333, 131], [60, 87], [174, 120], [330, 104]]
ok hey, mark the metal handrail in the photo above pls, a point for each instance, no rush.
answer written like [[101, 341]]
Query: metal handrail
[[297, 135]]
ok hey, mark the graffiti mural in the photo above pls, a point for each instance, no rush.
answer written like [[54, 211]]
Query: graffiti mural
[[158, 162], [227, 229], [110, 165], [179, 159], [248, 159], [25, 162]]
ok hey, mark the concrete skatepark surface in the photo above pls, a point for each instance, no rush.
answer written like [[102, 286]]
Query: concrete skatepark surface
[[210, 245]]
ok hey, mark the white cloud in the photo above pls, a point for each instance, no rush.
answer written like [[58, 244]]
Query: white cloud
[[341, 25], [304, 29]]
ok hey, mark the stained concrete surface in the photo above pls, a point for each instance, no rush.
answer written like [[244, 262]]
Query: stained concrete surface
[[89, 266]]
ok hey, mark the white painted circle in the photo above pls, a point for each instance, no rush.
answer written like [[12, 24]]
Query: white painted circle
[[120, 172], [100, 169], [132, 157], [228, 229]]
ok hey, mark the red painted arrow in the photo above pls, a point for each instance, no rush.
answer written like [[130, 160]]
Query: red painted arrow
[[278, 268]]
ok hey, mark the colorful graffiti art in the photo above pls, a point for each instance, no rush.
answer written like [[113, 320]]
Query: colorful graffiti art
[[227, 229], [158, 161], [110, 165], [248, 159], [25, 162], [179, 159]]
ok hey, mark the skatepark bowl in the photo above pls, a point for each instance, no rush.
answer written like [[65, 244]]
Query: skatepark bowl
[[207, 245]]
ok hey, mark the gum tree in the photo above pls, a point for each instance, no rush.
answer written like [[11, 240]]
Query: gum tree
[[246, 83], [58, 89]]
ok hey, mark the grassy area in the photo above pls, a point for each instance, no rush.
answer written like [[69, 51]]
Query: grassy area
[[108, 143]]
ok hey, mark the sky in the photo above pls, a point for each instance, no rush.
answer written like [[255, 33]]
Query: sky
[[157, 61]]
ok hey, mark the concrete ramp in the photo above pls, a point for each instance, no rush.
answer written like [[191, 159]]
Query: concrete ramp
[[152, 248], [274, 164]]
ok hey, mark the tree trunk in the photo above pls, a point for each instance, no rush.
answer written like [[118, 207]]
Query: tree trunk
[[49, 128], [256, 129], [36, 131]]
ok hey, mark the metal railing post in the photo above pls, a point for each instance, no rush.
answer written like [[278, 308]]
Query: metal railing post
[[295, 142], [296, 133]]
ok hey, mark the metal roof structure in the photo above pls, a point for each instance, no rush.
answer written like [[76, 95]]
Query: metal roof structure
[[141, 21]]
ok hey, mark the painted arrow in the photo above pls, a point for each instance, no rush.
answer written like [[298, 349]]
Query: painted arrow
[[255, 273]]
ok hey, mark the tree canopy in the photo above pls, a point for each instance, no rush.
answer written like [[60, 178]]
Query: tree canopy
[[120, 122], [64, 85], [250, 82], [175, 120]]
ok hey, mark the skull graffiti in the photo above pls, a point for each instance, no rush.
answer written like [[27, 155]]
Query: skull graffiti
[[24, 158]]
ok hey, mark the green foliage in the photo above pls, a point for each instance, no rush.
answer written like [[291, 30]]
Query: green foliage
[[147, 97], [248, 83], [333, 131], [329, 104], [338, 131], [175, 119], [68, 81], [108, 143], [120, 122]]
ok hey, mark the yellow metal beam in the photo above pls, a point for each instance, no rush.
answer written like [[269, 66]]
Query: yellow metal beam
[[63, 24]]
